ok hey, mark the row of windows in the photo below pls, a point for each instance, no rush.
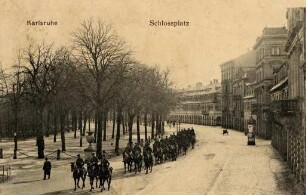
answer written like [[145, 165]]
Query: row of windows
[[201, 108]]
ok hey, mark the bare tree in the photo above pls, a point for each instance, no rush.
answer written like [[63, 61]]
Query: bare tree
[[102, 54]]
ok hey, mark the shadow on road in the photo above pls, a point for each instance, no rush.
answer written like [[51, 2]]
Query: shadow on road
[[29, 181]]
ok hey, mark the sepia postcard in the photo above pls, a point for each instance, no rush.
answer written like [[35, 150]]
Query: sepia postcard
[[182, 97]]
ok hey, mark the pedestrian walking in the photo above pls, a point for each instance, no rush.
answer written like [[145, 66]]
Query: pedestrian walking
[[47, 168]]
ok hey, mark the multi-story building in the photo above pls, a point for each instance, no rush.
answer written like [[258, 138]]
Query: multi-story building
[[199, 105], [234, 78], [291, 112], [249, 99], [270, 55], [279, 97], [227, 73]]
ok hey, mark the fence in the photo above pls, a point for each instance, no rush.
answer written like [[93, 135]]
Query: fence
[[5, 173]]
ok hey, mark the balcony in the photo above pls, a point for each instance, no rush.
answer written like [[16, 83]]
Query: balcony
[[205, 112], [285, 107]]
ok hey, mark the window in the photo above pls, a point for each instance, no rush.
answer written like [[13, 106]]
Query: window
[[275, 50]]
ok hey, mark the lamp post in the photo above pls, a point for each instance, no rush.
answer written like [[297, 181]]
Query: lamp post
[[15, 148]]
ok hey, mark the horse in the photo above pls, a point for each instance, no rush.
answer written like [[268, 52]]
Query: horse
[[105, 174], [158, 155], [193, 141], [137, 158], [127, 160], [77, 174], [148, 162], [92, 171], [173, 152]]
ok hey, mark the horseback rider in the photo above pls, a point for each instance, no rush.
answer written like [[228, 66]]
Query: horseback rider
[[136, 149], [94, 160], [104, 162], [127, 151], [79, 162], [147, 149]]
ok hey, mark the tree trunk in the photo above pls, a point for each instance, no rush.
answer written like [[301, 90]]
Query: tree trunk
[[80, 120], [48, 123], [114, 124], [62, 126], [130, 124], [138, 128], [40, 135], [152, 127], [85, 120], [74, 122], [123, 124], [145, 125], [67, 122], [99, 134], [157, 125], [55, 118], [118, 132], [104, 125], [96, 126], [162, 123], [89, 121]]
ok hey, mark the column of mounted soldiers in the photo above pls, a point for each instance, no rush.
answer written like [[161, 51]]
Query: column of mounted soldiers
[[160, 150], [134, 156]]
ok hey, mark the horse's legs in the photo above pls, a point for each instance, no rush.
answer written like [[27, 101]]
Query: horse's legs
[[78, 179], [84, 179], [102, 185], [124, 168], [109, 182], [75, 184]]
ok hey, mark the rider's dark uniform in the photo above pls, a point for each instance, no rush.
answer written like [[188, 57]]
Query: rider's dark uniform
[[147, 149], [136, 149], [79, 163], [94, 161]]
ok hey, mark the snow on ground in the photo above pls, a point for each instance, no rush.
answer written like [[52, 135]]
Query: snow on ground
[[218, 165]]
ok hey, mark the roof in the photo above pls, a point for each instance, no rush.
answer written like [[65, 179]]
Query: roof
[[274, 30], [207, 90], [246, 60]]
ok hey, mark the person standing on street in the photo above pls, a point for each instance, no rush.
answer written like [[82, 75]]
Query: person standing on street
[[47, 168]]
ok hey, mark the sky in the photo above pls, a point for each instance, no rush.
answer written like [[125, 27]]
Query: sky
[[219, 30]]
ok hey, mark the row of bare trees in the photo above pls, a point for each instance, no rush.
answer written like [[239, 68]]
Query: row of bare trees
[[51, 90]]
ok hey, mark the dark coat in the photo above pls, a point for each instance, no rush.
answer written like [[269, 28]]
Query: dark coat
[[47, 167]]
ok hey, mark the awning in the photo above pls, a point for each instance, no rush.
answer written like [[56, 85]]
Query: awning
[[281, 83], [248, 97]]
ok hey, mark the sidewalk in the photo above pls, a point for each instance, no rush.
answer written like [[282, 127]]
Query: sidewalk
[[31, 163]]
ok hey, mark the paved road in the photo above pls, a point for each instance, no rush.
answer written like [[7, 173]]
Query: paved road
[[218, 165]]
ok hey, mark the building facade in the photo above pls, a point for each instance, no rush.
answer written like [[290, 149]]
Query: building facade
[[270, 55], [294, 118], [234, 78], [279, 97], [199, 105]]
